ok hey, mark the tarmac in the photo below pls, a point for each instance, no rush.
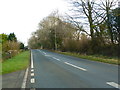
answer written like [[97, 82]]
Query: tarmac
[[13, 80]]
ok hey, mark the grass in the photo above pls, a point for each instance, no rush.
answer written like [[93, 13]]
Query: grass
[[99, 58], [19, 62]]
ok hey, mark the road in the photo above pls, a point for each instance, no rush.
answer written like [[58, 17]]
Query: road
[[53, 70]]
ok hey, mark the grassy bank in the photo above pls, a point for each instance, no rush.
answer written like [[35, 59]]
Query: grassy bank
[[92, 57], [19, 62]]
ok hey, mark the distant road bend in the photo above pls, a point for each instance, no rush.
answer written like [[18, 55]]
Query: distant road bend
[[52, 70]]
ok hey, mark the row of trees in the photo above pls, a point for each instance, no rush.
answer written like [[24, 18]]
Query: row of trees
[[10, 46], [52, 33], [101, 37], [103, 19]]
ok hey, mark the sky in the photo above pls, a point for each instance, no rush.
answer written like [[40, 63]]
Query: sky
[[22, 16]]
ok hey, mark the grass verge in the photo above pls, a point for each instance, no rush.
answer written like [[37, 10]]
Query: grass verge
[[92, 57], [19, 62]]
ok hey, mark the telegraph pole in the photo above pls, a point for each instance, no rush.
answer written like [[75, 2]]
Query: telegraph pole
[[55, 24], [118, 3], [55, 40]]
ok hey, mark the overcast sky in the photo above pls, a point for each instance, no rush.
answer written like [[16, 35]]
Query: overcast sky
[[22, 16]]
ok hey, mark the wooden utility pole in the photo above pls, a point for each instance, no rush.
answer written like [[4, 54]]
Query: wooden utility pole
[[55, 40]]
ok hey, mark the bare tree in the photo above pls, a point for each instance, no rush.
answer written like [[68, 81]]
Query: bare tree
[[106, 6], [52, 31], [84, 8]]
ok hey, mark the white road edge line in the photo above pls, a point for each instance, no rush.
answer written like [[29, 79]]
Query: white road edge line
[[32, 80], [113, 84], [56, 58], [25, 79], [32, 61], [75, 66]]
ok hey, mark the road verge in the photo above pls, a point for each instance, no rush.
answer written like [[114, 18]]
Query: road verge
[[92, 57], [19, 62]]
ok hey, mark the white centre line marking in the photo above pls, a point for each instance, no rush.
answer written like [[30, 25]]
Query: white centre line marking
[[44, 53], [32, 60], [56, 58], [113, 84], [75, 66], [47, 55], [32, 80], [32, 74]]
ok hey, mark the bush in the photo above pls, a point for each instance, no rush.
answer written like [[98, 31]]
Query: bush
[[80, 46], [9, 49]]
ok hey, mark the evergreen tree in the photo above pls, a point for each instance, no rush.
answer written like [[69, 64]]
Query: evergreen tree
[[12, 37]]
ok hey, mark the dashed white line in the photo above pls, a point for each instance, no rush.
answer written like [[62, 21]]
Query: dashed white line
[[32, 60], [32, 74], [32, 88], [47, 55], [32, 70], [113, 84], [75, 66], [44, 53], [56, 58], [32, 80]]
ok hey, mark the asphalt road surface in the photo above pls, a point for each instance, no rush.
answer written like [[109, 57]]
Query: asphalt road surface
[[53, 70]]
